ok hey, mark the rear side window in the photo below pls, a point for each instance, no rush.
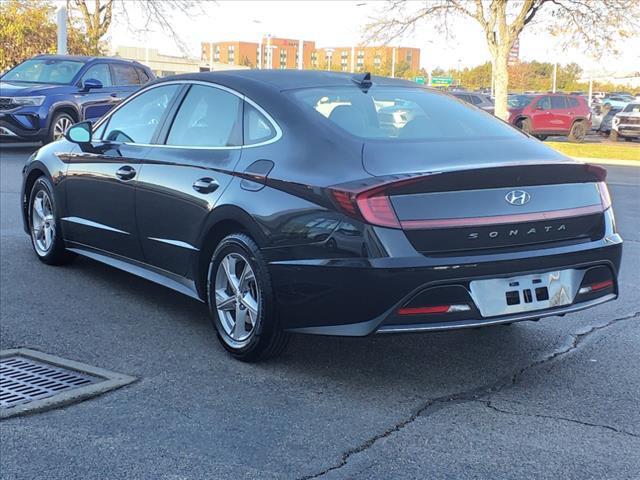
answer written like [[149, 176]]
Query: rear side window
[[558, 103], [124, 74], [257, 128], [573, 102], [99, 72], [208, 117], [400, 113], [137, 120], [144, 78]]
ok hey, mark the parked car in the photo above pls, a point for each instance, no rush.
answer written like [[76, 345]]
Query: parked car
[[607, 120], [617, 101], [41, 97], [552, 114], [626, 124], [477, 99], [236, 189]]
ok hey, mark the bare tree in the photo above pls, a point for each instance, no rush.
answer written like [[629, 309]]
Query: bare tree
[[97, 15], [595, 24]]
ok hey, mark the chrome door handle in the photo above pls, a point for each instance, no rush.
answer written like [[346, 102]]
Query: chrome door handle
[[205, 185], [126, 173]]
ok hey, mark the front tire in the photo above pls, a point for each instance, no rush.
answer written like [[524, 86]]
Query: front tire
[[241, 301], [59, 125], [578, 132], [44, 225], [524, 124]]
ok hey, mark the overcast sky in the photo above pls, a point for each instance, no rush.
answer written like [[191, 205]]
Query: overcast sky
[[340, 23]]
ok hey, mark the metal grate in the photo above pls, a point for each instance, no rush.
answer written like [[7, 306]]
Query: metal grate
[[24, 380]]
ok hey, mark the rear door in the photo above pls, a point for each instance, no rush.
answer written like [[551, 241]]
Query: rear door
[[560, 118], [126, 81], [185, 175]]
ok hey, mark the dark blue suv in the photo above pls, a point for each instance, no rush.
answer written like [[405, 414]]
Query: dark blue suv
[[41, 97]]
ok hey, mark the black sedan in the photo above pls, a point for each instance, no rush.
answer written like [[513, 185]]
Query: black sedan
[[325, 203]]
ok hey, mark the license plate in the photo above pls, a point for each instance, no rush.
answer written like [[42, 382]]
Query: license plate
[[525, 293]]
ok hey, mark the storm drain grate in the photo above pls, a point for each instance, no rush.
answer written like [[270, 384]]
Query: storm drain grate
[[24, 380], [32, 381]]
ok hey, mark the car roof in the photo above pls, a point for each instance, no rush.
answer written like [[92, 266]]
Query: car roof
[[87, 58], [288, 79]]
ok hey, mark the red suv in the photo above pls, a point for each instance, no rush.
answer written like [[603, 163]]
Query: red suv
[[552, 114]]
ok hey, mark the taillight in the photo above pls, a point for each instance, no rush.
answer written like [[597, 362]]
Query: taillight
[[605, 198], [373, 206]]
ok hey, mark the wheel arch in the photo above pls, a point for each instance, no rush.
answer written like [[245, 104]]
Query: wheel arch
[[36, 170], [68, 108], [223, 221]]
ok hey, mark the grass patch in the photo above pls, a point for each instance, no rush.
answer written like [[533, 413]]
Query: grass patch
[[598, 150]]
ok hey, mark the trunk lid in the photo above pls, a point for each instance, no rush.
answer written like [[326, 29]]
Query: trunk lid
[[517, 194]]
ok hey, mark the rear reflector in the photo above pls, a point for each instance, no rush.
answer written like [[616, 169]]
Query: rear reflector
[[500, 219], [594, 287], [433, 309]]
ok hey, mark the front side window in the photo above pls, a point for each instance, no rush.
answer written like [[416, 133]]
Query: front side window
[[208, 117], [137, 120], [144, 77], [400, 113], [98, 72], [125, 75], [257, 128], [44, 70], [558, 103], [544, 103]]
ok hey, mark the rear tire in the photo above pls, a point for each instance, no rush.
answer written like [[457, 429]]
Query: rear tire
[[241, 301], [44, 225], [578, 132]]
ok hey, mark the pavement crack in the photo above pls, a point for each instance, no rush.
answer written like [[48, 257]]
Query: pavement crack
[[473, 395], [489, 404]]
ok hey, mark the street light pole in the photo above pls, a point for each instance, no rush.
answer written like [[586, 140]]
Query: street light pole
[[393, 62], [555, 74], [62, 30]]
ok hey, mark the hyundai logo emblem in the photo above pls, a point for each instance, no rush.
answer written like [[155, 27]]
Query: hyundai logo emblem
[[517, 197]]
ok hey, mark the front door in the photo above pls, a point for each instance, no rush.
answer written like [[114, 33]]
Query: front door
[[97, 101], [183, 179], [541, 118], [101, 179]]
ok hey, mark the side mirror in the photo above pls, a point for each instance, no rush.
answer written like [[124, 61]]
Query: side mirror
[[91, 83], [79, 133]]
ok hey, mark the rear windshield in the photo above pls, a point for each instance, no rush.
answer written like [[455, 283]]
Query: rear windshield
[[402, 113], [44, 71]]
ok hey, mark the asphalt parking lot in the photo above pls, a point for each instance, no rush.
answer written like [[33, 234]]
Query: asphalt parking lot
[[552, 399]]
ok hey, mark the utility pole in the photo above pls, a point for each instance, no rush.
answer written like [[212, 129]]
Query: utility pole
[[555, 74], [300, 54], [62, 30]]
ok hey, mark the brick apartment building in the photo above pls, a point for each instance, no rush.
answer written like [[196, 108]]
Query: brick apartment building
[[284, 54]]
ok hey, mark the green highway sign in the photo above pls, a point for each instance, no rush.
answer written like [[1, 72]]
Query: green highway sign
[[420, 80], [441, 80]]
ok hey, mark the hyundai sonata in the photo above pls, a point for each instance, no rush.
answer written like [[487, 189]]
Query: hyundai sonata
[[289, 203]]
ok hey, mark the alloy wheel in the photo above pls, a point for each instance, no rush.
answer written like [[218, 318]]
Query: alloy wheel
[[237, 297], [43, 223], [61, 127]]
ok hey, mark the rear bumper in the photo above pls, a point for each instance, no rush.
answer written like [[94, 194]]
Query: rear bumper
[[359, 297]]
